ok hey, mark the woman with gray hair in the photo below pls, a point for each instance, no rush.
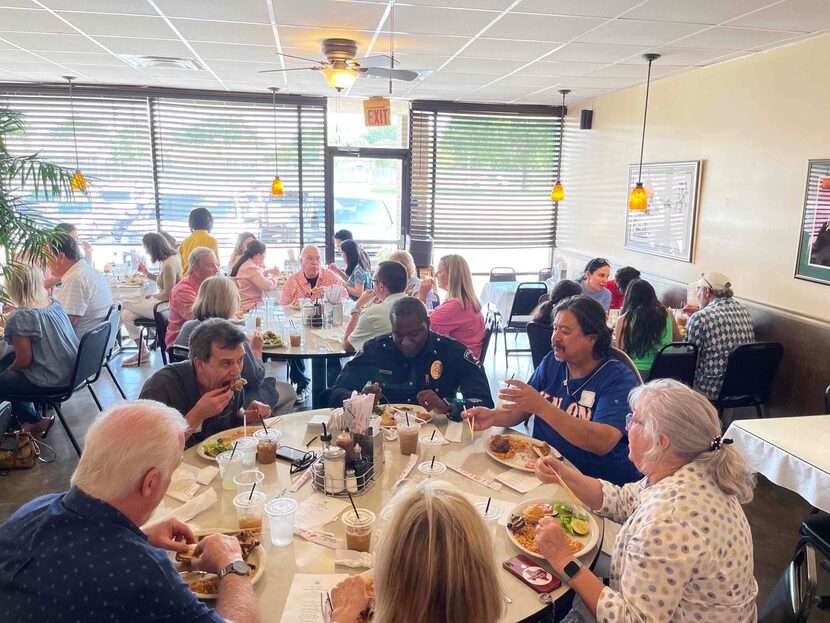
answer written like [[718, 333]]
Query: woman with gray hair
[[684, 552]]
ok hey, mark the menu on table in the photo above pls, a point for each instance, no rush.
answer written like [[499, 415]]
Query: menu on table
[[303, 602]]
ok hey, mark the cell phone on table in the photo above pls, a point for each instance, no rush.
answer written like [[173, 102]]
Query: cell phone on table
[[299, 459], [539, 579]]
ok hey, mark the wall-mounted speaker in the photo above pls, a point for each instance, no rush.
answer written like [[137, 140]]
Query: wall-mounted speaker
[[586, 119]]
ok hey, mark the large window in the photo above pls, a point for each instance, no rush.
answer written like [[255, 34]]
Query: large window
[[481, 175], [150, 159]]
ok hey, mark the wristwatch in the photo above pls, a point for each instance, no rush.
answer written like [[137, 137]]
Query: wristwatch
[[571, 570], [239, 567]]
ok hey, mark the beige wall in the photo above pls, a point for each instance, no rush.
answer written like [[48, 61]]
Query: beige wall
[[754, 122]]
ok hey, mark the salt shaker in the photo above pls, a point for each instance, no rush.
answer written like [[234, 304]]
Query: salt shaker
[[334, 467]]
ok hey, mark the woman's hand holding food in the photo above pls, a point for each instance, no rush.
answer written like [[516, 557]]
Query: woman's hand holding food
[[553, 543], [523, 396], [348, 599], [170, 534], [426, 285]]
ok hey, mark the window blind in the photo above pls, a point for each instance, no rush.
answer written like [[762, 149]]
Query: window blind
[[482, 177], [220, 155], [114, 155]]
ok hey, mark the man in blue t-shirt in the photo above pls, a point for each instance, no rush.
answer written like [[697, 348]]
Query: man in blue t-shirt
[[578, 393]]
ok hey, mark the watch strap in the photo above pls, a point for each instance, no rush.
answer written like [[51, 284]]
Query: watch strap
[[571, 570], [235, 567]]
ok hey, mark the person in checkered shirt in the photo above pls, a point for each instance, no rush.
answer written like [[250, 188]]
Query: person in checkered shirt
[[721, 325]]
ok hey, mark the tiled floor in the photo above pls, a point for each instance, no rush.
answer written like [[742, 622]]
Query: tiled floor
[[774, 515]]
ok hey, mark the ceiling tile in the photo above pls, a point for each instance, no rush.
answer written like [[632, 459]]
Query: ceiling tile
[[128, 7], [448, 77], [541, 27], [671, 56], [83, 58], [637, 32], [120, 25], [556, 68], [16, 55], [595, 82], [539, 82], [150, 47], [31, 20], [54, 42], [496, 5], [224, 32], [328, 14], [801, 15], [224, 51], [439, 21], [490, 65], [635, 70], [310, 38], [418, 61], [595, 53], [22, 4], [729, 38], [502, 48], [698, 11], [236, 11], [592, 8], [420, 44]]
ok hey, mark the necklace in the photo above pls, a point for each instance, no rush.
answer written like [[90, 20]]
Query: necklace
[[578, 389]]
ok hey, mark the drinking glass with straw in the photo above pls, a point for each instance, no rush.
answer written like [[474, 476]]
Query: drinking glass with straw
[[358, 524]]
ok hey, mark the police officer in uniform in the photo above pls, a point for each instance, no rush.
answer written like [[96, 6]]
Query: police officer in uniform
[[414, 365]]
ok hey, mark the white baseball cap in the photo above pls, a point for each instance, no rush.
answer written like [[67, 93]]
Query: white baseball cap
[[714, 281]]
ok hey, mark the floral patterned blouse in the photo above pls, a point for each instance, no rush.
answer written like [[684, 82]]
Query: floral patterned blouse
[[684, 553]]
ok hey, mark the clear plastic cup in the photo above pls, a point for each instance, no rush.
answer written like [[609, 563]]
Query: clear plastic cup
[[267, 443], [249, 509], [432, 469], [246, 479], [408, 437], [499, 401], [229, 468], [358, 529], [431, 446], [490, 517], [281, 512], [246, 446]]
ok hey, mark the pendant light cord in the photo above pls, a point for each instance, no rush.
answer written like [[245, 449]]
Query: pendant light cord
[[74, 134], [561, 133], [645, 114], [274, 110]]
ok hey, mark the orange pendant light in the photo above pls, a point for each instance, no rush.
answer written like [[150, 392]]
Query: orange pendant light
[[638, 200], [557, 194], [276, 186]]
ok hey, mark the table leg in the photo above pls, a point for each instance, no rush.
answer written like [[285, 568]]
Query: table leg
[[318, 381]]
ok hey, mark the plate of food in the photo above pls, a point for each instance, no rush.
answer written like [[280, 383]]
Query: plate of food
[[272, 340], [388, 412], [516, 450], [221, 442], [206, 585], [580, 528]]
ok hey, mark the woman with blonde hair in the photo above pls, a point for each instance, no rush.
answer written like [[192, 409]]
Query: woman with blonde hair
[[684, 552], [459, 316], [434, 564], [218, 297], [413, 282], [44, 341]]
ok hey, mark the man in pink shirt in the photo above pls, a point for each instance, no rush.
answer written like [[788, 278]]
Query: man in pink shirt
[[201, 264], [308, 283]]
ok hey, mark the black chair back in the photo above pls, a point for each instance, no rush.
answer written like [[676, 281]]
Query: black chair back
[[92, 352], [545, 274], [178, 353], [827, 400], [491, 322], [539, 335], [114, 318], [750, 370], [526, 299], [161, 314], [5, 415], [676, 360], [502, 273], [619, 355]]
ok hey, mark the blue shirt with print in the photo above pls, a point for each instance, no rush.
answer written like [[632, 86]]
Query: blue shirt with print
[[602, 397]]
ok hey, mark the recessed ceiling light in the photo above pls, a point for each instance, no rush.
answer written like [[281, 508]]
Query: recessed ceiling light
[[162, 62]]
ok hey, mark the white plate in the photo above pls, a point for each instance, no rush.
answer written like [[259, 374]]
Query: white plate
[[236, 433], [421, 413], [517, 462], [588, 541], [258, 557]]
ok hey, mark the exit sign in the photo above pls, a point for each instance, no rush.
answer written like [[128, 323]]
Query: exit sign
[[377, 112]]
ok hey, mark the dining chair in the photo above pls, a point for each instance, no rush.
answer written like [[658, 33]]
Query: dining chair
[[491, 322], [114, 318], [92, 352], [675, 360], [793, 597], [177, 353], [545, 273], [524, 302], [747, 380], [619, 355], [161, 318], [827, 400], [538, 335], [502, 273]]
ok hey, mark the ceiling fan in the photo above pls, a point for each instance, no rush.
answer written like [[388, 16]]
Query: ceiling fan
[[341, 68]]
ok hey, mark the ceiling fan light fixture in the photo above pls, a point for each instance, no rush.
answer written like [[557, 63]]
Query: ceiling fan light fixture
[[340, 75]]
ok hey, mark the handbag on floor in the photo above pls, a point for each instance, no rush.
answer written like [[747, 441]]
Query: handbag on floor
[[18, 450]]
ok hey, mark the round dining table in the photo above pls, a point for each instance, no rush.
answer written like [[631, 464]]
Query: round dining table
[[306, 557]]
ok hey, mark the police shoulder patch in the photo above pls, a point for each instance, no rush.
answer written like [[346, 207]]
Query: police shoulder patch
[[469, 356]]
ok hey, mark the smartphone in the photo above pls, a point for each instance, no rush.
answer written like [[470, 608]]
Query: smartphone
[[537, 578], [292, 455]]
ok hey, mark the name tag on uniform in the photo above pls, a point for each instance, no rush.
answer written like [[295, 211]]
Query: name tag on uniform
[[587, 398], [389, 372]]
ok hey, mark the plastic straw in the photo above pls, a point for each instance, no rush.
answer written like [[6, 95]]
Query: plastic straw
[[265, 428], [432, 462], [433, 434], [351, 499], [234, 448], [487, 508], [407, 418], [252, 492]]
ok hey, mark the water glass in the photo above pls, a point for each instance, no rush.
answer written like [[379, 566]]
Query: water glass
[[281, 512]]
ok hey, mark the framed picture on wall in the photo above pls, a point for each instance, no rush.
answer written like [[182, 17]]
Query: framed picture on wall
[[667, 227], [813, 262]]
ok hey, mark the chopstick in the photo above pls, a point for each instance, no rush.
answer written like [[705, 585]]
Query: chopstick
[[575, 500], [471, 421]]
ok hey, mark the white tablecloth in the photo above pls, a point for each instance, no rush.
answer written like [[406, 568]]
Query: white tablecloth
[[500, 294], [792, 452]]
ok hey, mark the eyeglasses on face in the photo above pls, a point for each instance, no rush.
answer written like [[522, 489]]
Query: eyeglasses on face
[[630, 421]]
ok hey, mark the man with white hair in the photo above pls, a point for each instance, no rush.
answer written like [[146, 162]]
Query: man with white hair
[[306, 283], [721, 325], [81, 555], [202, 263]]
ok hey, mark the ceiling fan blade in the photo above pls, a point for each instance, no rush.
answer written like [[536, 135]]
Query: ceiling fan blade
[[278, 71], [381, 60], [395, 74], [301, 58]]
